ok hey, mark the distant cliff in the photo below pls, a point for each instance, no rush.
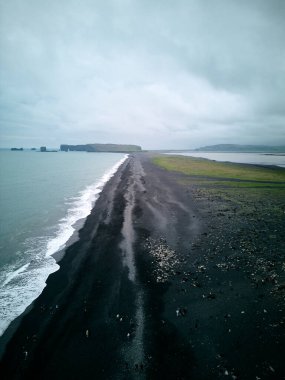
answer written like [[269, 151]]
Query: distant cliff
[[242, 148], [101, 148]]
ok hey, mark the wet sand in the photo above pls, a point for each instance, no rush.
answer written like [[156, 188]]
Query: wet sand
[[160, 285]]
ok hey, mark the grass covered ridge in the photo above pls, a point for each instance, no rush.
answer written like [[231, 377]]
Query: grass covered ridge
[[202, 168], [253, 191]]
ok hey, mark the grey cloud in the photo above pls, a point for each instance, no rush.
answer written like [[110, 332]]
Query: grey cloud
[[155, 73]]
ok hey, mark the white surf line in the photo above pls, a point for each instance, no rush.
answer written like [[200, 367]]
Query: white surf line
[[15, 273], [14, 299], [81, 208]]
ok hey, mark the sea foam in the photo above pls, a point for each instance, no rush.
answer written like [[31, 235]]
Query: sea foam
[[20, 285]]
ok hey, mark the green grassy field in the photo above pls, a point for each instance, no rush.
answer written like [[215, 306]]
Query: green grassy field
[[212, 169], [255, 189]]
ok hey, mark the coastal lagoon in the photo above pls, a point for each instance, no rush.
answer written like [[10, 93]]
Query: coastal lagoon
[[44, 198], [242, 158]]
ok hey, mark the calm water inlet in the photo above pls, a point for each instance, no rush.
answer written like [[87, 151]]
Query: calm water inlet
[[242, 158]]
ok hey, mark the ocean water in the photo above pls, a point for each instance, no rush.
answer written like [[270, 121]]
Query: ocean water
[[44, 197], [242, 158]]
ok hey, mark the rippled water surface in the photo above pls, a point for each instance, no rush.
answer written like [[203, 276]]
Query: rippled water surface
[[42, 197]]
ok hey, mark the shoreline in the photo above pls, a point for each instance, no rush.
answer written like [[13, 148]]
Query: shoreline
[[65, 233], [156, 287], [59, 255]]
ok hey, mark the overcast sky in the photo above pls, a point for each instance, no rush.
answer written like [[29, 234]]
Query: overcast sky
[[158, 73]]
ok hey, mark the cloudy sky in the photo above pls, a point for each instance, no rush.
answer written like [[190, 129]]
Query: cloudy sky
[[158, 73]]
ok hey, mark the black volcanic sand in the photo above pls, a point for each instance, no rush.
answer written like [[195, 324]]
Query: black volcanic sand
[[165, 282]]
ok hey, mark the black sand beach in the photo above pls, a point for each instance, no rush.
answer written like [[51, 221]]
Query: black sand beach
[[165, 282]]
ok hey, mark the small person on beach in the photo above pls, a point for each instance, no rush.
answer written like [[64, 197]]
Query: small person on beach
[[87, 333], [181, 312]]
